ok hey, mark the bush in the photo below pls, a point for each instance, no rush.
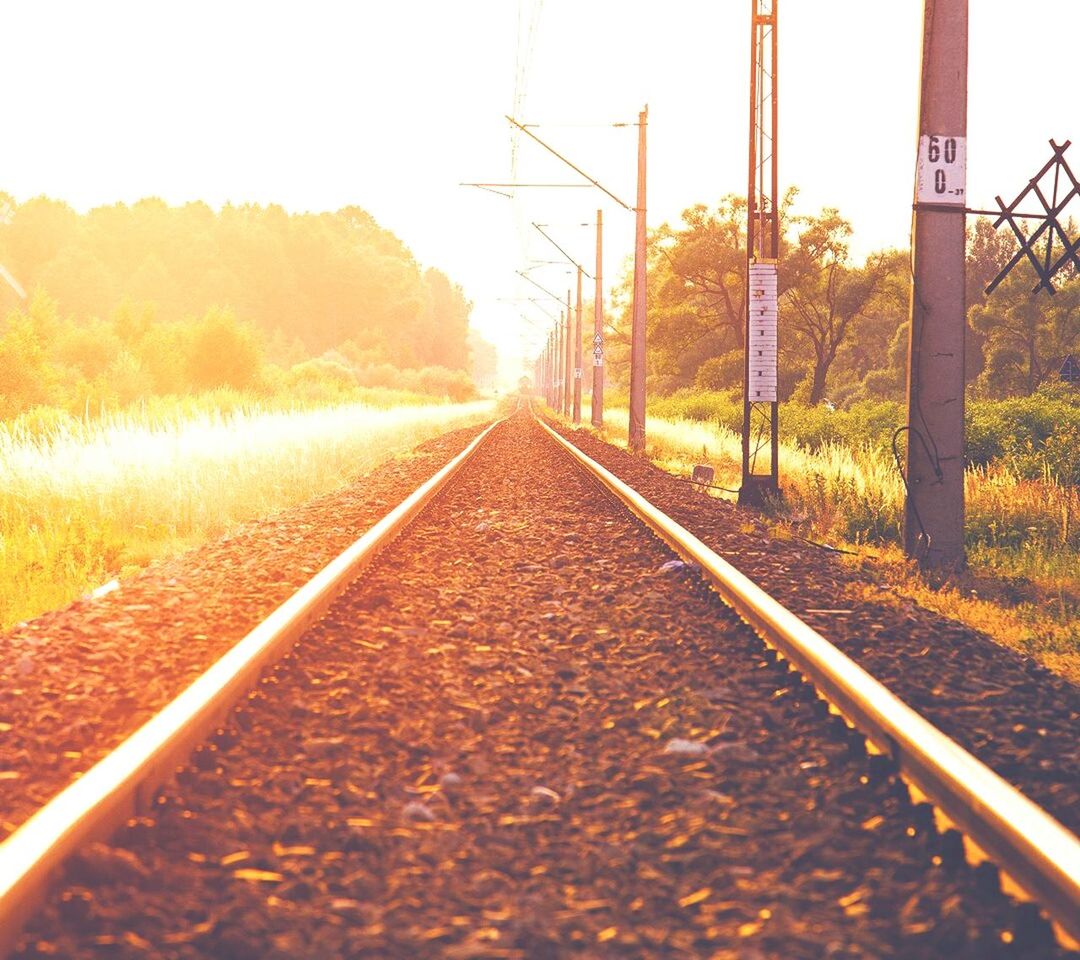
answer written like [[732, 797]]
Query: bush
[[719, 373], [223, 352], [1034, 435], [441, 382], [321, 381], [866, 423], [721, 407]]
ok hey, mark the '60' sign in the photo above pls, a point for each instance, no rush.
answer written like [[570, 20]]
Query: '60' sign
[[942, 170]]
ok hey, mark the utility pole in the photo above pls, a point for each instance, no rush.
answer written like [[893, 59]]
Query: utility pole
[[559, 365], [597, 402], [568, 392], [637, 337], [544, 384], [547, 370], [551, 368], [934, 502], [552, 352], [637, 327], [760, 424], [578, 371]]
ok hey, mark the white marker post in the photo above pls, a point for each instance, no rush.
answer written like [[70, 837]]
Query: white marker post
[[762, 329]]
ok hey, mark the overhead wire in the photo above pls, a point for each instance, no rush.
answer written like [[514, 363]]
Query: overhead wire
[[528, 20]]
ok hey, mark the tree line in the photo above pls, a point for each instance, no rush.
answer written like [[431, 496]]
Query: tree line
[[844, 324], [126, 300]]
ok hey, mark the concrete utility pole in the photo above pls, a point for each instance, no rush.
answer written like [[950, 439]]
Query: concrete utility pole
[[553, 365], [598, 328], [547, 370], [934, 505], [559, 365], [546, 360], [637, 327], [568, 392], [578, 371]]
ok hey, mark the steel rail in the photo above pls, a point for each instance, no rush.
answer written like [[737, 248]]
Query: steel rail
[[125, 781], [1036, 852]]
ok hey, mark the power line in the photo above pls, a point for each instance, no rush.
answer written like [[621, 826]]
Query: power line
[[548, 237], [573, 166]]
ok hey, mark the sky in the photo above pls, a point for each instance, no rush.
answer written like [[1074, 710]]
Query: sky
[[391, 105]]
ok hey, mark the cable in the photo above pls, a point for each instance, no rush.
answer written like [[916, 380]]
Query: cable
[[908, 500], [711, 486], [825, 546]]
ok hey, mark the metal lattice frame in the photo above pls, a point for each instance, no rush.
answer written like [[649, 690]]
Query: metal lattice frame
[[760, 418], [1051, 226]]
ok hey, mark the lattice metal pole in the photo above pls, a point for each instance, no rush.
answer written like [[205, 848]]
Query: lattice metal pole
[[934, 504], [760, 409]]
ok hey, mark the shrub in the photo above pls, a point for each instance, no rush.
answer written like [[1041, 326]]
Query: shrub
[[223, 352], [320, 381]]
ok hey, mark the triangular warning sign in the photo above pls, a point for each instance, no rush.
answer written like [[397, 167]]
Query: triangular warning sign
[[1070, 370]]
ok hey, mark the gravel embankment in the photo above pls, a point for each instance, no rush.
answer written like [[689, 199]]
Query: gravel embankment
[[525, 734], [76, 682], [1013, 714]]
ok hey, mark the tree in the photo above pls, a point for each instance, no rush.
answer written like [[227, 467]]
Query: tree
[[702, 266], [823, 292], [223, 352], [1027, 335], [988, 250], [320, 278], [27, 376], [443, 325], [873, 357]]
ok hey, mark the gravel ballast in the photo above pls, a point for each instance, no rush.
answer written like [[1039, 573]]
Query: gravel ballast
[[76, 682], [1016, 716], [526, 732]]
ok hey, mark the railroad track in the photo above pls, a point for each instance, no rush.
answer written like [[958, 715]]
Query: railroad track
[[605, 759]]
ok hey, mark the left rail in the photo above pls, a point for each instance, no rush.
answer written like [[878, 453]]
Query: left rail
[[126, 780]]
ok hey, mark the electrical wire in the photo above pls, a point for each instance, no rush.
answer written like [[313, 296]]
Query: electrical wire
[[711, 486], [924, 538]]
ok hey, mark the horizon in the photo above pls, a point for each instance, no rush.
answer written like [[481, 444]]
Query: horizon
[[214, 118]]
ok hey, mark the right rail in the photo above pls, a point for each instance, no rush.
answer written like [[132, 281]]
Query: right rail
[[1037, 852]]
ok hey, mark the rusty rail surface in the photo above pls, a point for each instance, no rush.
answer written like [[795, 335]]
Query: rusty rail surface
[[1035, 851], [125, 781]]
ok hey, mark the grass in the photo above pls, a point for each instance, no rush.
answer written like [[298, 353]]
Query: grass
[[1022, 586], [84, 501]]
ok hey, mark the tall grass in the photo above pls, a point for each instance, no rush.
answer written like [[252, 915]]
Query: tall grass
[[81, 501], [855, 492]]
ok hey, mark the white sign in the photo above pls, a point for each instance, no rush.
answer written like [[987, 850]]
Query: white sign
[[762, 344], [941, 176]]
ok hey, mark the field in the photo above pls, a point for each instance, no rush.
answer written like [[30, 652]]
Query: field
[[84, 501], [1023, 535]]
